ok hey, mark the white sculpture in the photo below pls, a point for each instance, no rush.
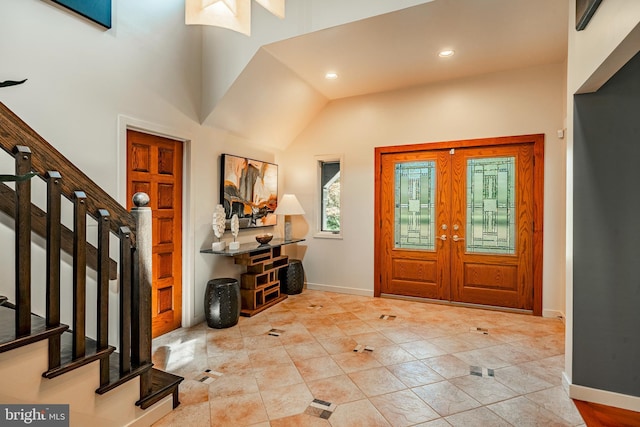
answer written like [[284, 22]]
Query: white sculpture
[[218, 225], [235, 227]]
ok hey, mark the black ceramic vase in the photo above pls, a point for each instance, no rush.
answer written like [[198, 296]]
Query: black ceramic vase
[[292, 278], [222, 303]]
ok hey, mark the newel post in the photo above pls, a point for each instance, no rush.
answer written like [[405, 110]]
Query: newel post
[[141, 336]]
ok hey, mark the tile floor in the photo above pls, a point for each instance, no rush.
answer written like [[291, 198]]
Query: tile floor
[[413, 369]]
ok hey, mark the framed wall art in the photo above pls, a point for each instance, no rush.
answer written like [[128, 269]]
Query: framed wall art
[[584, 11], [249, 188], [99, 11]]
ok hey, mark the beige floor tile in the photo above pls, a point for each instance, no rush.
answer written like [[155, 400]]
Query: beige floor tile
[[269, 357], [330, 331], [352, 361], [427, 331], [355, 327], [372, 339], [485, 390], [448, 366], [300, 420], [191, 391], [446, 398], [418, 371], [479, 340], [260, 342], [245, 409], [231, 362], [376, 381], [522, 412], [511, 354], [336, 390], [305, 351], [520, 380], [231, 385], [557, 401], [277, 376], [479, 417], [252, 330], [403, 408], [297, 337], [197, 415], [286, 401], [452, 344], [360, 413], [401, 335], [440, 422], [219, 345], [414, 373], [336, 345], [423, 349], [392, 355], [318, 368], [483, 357]]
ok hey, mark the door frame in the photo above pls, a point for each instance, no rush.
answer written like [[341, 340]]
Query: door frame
[[538, 199], [188, 204]]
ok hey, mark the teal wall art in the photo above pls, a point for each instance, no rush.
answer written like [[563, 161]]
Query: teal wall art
[[98, 11]]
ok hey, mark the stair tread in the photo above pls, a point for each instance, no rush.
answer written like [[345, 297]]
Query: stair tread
[[39, 330], [162, 384]]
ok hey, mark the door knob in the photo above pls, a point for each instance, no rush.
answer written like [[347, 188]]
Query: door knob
[[443, 237], [456, 238]]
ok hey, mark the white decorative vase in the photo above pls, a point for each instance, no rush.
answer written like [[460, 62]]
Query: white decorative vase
[[218, 246]]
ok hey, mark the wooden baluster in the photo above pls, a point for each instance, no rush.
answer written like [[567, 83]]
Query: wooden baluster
[[23, 242], [79, 273], [125, 299], [53, 263], [141, 333], [103, 291]]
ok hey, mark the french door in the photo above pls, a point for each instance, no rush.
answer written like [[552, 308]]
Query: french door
[[457, 223]]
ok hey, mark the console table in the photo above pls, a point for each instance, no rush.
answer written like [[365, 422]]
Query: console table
[[260, 284]]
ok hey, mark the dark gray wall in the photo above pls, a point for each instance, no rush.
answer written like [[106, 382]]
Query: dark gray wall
[[606, 221]]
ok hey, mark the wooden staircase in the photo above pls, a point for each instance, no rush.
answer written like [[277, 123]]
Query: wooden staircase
[[68, 347]]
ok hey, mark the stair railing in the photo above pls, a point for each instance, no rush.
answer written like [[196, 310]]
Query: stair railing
[[133, 229]]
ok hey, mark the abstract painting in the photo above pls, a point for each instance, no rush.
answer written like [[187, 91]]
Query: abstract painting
[[249, 189]]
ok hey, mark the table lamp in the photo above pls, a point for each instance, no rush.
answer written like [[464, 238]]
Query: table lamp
[[288, 206]]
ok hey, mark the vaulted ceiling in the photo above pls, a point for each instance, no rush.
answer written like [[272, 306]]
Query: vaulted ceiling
[[283, 87]]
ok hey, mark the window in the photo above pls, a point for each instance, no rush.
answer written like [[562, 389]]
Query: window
[[329, 180]]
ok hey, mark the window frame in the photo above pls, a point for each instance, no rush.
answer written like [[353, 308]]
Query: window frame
[[320, 159]]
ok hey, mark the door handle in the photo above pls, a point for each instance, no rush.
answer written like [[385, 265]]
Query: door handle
[[442, 237], [456, 238]]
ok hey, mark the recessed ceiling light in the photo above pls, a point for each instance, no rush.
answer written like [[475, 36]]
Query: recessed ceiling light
[[446, 53], [331, 76]]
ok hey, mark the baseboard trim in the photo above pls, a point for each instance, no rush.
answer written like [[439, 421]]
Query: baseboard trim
[[554, 314], [604, 397], [153, 413], [340, 289]]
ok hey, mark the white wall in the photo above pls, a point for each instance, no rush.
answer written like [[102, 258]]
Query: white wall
[[302, 16], [86, 84], [525, 101], [610, 39]]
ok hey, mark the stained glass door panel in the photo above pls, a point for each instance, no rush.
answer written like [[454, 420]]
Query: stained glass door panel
[[414, 213], [491, 205]]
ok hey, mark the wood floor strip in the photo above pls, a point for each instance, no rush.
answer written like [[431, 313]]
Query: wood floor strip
[[596, 415]]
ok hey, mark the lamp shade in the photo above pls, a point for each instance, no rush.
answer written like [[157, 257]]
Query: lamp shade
[[289, 205]]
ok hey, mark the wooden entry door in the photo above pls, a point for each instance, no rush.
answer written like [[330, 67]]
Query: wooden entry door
[[456, 222], [154, 166]]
